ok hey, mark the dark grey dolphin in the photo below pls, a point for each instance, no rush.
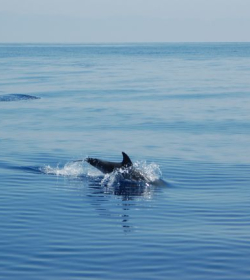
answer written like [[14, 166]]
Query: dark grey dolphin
[[109, 166], [125, 169], [16, 97]]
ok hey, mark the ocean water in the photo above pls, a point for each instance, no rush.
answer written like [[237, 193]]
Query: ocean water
[[182, 114]]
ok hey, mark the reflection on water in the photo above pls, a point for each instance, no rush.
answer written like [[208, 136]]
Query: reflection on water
[[101, 199], [124, 197], [126, 189], [111, 201]]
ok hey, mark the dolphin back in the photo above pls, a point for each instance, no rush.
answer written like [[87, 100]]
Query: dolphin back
[[109, 166]]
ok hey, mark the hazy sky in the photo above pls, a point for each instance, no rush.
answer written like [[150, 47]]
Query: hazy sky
[[82, 21]]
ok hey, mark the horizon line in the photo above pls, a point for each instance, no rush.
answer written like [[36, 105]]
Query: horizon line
[[125, 42]]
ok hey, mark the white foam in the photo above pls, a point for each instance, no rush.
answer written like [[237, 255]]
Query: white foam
[[73, 169], [149, 172]]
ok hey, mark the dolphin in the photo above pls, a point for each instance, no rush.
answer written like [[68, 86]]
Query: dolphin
[[109, 166], [124, 168]]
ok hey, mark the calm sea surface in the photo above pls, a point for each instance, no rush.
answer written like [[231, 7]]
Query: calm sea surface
[[180, 111]]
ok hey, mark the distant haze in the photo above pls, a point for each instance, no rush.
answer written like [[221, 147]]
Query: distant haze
[[83, 21]]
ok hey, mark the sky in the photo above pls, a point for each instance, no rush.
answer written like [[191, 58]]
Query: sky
[[110, 21]]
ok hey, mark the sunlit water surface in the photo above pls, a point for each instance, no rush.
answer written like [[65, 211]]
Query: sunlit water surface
[[180, 111]]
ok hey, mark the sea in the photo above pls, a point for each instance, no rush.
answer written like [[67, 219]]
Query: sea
[[181, 111]]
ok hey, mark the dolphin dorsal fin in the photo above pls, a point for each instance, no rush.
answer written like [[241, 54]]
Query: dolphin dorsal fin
[[126, 160]]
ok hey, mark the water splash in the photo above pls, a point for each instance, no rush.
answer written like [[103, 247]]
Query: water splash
[[70, 169], [140, 174], [152, 170]]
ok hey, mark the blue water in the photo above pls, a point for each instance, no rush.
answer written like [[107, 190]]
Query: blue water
[[180, 111]]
